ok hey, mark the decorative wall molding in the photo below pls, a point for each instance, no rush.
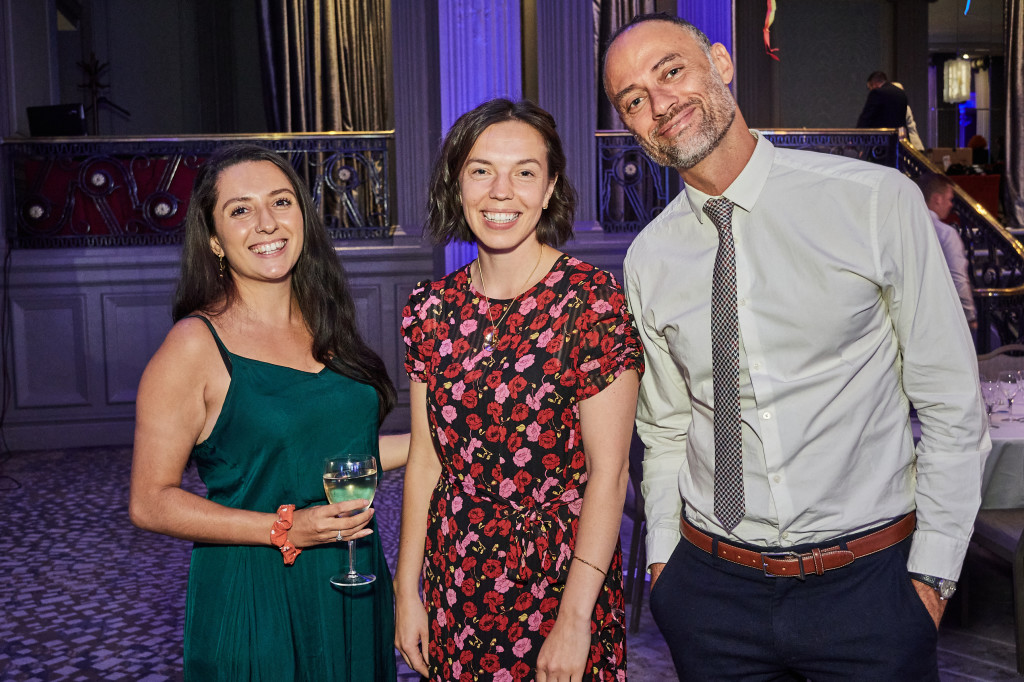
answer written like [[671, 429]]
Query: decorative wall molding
[[86, 321], [51, 349]]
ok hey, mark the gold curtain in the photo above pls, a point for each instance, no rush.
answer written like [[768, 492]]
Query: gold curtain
[[326, 64]]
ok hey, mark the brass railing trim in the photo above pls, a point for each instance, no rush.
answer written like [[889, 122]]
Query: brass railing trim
[[777, 131], [270, 137], [982, 212]]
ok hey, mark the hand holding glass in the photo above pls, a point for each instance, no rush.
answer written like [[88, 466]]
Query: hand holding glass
[[351, 477]]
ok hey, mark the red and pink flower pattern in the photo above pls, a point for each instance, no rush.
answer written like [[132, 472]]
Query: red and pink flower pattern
[[506, 426]]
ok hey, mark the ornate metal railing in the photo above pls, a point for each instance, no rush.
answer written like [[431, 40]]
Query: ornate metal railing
[[135, 191], [632, 190], [996, 255]]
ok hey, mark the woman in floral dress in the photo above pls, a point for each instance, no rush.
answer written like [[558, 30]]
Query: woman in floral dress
[[525, 367]]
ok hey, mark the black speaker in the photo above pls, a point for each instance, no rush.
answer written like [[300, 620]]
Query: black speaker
[[56, 120]]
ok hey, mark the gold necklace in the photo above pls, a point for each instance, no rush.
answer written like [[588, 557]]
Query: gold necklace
[[490, 332]]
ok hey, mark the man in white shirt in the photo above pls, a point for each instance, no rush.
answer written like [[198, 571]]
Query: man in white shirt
[[842, 317], [938, 196]]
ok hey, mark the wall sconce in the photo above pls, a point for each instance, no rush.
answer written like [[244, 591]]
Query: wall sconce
[[956, 81]]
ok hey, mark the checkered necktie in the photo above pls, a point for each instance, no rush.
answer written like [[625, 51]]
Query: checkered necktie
[[725, 371]]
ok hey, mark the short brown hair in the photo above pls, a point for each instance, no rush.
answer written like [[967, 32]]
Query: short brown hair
[[446, 221], [932, 183]]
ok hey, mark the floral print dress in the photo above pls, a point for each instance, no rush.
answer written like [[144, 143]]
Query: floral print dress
[[506, 426]]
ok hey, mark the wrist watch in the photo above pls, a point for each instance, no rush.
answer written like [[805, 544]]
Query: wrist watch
[[943, 586]]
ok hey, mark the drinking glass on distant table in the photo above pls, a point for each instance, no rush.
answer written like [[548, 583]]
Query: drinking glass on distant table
[[1008, 385], [990, 392], [351, 477]]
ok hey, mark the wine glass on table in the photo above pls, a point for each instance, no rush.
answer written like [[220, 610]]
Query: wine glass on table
[[351, 477], [1008, 385], [990, 392], [1020, 381]]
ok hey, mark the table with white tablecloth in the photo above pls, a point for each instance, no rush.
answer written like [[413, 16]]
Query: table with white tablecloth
[[1002, 484]]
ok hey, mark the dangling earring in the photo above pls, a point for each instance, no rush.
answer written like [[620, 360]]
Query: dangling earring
[[220, 261]]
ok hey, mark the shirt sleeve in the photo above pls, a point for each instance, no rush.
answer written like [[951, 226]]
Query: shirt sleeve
[[940, 378], [959, 267], [662, 421], [609, 344], [419, 330]]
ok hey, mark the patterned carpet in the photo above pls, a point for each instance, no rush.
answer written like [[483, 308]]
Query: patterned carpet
[[86, 596]]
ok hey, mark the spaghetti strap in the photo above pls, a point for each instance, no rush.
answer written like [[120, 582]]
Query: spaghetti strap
[[224, 353]]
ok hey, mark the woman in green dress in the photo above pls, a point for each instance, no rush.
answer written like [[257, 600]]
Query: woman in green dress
[[262, 377]]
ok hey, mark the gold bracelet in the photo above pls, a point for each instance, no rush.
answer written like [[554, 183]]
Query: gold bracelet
[[584, 561]]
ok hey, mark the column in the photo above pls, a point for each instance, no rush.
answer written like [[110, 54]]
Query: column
[[714, 17], [480, 58], [910, 54], [417, 108], [568, 88]]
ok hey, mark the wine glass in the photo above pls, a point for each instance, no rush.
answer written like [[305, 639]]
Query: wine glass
[[990, 392], [1008, 385], [351, 477]]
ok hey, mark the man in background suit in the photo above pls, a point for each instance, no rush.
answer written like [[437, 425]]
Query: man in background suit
[[886, 106]]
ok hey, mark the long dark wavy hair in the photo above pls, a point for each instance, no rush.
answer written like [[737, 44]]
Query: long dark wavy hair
[[318, 282], [446, 221]]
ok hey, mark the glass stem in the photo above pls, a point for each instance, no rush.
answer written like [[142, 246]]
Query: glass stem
[[352, 557]]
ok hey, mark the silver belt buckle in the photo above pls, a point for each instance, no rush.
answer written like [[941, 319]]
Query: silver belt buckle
[[782, 556]]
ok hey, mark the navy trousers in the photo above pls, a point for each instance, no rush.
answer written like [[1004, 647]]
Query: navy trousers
[[864, 621]]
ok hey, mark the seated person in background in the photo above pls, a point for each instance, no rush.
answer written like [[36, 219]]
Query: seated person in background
[[886, 106], [938, 195], [979, 150]]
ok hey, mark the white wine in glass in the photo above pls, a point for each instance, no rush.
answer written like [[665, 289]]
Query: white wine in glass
[[351, 477]]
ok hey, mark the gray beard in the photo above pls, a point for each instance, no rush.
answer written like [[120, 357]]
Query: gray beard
[[717, 118]]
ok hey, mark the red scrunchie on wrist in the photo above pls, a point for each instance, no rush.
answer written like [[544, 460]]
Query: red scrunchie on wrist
[[279, 534]]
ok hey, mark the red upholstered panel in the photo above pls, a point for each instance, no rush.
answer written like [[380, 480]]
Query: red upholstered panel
[[982, 188]]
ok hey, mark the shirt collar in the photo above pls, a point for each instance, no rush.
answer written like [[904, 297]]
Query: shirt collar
[[747, 186]]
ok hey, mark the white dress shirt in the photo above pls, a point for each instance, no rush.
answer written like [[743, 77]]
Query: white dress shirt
[[847, 315], [956, 260]]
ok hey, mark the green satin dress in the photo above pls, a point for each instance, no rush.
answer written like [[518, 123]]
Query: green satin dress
[[248, 616]]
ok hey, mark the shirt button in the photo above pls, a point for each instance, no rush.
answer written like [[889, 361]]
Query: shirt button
[[766, 415], [777, 479], [785, 536], [741, 302], [756, 366]]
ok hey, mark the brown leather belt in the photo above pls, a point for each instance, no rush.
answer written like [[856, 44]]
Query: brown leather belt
[[783, 564]]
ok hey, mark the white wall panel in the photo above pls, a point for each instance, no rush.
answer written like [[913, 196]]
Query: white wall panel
[[134, 326], [86, 321], [368, 310], [50, 350]]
